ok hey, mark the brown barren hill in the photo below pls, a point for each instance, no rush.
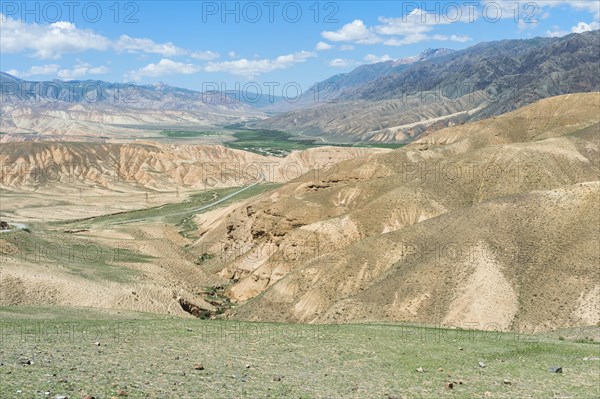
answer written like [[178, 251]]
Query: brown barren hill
[[491, 225]]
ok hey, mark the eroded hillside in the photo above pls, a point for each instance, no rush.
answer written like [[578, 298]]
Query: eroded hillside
[[494, 222]]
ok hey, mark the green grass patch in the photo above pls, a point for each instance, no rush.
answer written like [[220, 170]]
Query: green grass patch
[[155, 357], [178, 213], [269, 142], [189, 134], [278, 143]]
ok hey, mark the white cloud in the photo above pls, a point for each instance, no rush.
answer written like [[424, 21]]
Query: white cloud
[[590, 6], [163, 67], [341, 63], [355, 31], [583, 27], [346, 47], [408, 39], [321, 46], [452, 38], [372, 59], [48, 41], [231, 54], [556, 32], [135, 45], [251, 68], [204, 55], [81, 70], [48, 69], [579, 28], [52, 40], [531, 11], [415, 27]]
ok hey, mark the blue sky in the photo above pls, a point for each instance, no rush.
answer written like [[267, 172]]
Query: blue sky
[[197, 44]]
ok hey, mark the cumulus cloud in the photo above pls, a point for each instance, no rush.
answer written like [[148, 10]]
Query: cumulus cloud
[[346, 47], [452, 38], [48, 69], [415, 27], [355, 32], [321, 46], [372, 59], [408, 39], [341, 63], [48, 41], [164, 67], [534, 11], [204, 55], [583, 27], [135, 45], [252, 68], [590, 6], [81, 70], [579, 28]]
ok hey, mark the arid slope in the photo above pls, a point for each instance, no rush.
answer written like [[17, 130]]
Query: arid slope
[[494, 222]]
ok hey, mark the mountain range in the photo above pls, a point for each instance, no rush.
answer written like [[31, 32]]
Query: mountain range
[[93, 107], [391, 101], [483, 80], [337, 86]]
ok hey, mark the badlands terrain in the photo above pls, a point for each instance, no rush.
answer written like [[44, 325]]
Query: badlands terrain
[[401, 240], [492, 223], [463, 264]]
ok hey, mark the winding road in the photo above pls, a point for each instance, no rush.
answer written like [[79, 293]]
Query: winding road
[[23, 226], [15, 227], [225, 198]]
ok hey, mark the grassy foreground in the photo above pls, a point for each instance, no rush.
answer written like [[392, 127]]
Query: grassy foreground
[[103, 354]]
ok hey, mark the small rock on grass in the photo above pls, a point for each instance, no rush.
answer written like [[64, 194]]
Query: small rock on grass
[[198, 366], [277, 378], [449, 385], [420, 369], [481, 364], [507, 382], [556, 369]]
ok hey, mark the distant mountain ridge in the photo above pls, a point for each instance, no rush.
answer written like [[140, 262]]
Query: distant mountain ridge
[[371, 72], [483, 80], [337, 85], [156, 96], [94, 107]]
